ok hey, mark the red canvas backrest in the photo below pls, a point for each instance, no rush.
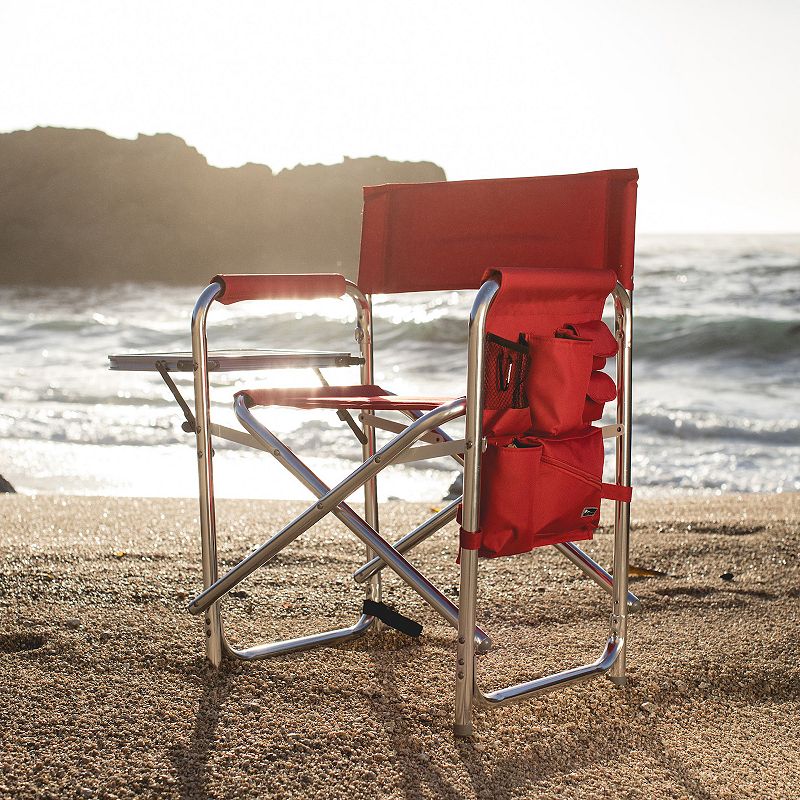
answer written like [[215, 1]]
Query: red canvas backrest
[[439, 236]]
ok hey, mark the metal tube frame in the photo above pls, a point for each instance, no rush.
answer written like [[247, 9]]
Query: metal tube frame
[[471, 641], [590, 568], [330, 502], [612, 660], [389, 455], [412, 539], [216, 642]]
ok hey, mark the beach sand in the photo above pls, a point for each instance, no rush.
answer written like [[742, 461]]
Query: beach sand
[[104, 691]]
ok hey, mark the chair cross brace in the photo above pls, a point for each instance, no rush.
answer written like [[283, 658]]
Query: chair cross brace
[[331, 501]]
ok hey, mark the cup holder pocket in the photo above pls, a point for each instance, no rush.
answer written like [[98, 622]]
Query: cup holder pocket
[[601, 388], [604, 343], [558, 382]]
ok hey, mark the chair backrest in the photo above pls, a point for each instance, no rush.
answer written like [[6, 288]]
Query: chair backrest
[[440, 236]]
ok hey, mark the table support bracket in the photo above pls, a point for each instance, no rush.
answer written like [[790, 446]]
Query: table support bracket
[[189, 425]]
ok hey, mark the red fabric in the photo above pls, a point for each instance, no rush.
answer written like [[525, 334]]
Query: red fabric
[[236, 288], [601, 391], [436, 236], [362, 397], [537, 491], [613, 491], [469, 540], [601, 387], [604, 343], [557, 383], [536, 302]]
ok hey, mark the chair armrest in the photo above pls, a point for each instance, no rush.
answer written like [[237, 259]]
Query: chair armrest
[[306, 286]]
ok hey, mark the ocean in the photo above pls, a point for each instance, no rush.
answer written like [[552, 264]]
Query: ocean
[[716, 379]]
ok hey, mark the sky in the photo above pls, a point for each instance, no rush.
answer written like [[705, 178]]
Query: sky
[[702, 96]]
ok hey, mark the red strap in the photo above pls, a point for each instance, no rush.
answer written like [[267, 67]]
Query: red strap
[[470, 540], [613, 491], [265, 287]]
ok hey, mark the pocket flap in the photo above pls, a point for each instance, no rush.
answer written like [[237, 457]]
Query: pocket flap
[[602, 388], [603, 342]]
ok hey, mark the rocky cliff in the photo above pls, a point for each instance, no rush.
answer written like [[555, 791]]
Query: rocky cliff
[[80, 207]]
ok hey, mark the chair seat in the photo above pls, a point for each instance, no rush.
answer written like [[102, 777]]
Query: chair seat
[[368, 397]]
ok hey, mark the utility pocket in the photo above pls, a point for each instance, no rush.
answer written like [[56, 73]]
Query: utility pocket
[[509, 477], [604, 344], [601, 388], [570, 482], [537, 491], [505, 374], [558, 382]]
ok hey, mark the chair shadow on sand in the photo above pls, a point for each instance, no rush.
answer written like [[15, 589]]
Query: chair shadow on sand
[[490, 776], [192, 759], [502, 781]]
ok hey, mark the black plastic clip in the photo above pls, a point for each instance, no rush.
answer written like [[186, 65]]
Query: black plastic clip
[[392, 618]]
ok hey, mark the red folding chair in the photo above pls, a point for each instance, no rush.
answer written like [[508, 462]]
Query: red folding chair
[[544, 255]]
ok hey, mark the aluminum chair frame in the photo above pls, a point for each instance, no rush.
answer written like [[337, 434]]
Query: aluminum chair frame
[[379, 553], [365, 529], [613, 659]]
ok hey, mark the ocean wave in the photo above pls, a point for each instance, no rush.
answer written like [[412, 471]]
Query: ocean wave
[[704, 425], [660, 331], [717, 366], [700, 337], [443, 340]]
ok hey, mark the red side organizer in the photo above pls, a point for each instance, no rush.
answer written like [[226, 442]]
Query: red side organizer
[[542, 471], [537, 491], [601, 388]]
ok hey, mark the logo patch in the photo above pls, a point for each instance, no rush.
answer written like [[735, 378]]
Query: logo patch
[[589, 511]]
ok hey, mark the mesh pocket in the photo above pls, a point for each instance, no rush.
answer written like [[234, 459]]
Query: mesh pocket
[[506, 371]]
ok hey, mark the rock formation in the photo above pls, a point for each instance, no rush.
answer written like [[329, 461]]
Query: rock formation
[[80, 207]]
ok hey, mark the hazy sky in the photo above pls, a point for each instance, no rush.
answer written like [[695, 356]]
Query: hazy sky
[[702, 97]]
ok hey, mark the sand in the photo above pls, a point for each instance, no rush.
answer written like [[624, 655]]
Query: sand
[[104, 691]]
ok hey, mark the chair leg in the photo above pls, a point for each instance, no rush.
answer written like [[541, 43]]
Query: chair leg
[[623, 303], [473, 432], [373, 589], [465, 651], [619, 613], [212, 623], [321, 639]]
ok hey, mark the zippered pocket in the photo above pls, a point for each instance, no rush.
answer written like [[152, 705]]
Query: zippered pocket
[[539, 490], [571, 469], [570, 477]]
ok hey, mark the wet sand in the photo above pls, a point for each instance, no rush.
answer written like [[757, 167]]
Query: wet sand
[[104, 691]]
